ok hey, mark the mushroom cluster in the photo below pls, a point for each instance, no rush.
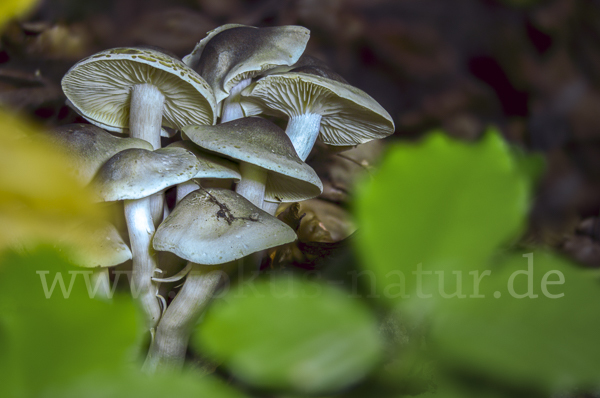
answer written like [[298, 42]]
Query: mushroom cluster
[[134, 96]]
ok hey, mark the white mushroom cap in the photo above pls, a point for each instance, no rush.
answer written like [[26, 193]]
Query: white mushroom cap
[[211, 166], [99, 246], [260, 142], [349, 115], [89, 147], [138, 173], [215, 226], [99, 88], [232, 53]]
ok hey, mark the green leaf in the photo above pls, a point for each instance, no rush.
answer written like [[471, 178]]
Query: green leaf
[[291, 334], [441, 203], [138, 385], [547, 341], [52, 341]]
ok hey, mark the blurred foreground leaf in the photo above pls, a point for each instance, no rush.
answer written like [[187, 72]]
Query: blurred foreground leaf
[[53, 341], [39, 200], [536, 324], [13, 8], [138, 385], [291, 334], [443, 204], [76, 346]]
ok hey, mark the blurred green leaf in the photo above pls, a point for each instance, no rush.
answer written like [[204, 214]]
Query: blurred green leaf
[[549, 343], [76, 346], [291, 334], [138, 385], [53, 341], [441, 203], [39, 200]]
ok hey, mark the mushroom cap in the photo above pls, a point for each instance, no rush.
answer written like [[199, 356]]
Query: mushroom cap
[[89, 147], [260, 142], [100, 246], [311, 65], [215, 226], [99, 87], [138, 173], [232, 53], [211, 166], [349, 115]]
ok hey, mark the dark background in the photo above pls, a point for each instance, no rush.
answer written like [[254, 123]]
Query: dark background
[[530, 68]]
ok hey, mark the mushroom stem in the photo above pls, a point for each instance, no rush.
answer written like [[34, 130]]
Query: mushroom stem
[[145, 121], [303, 131], [185, 188], [252, 185], [141, 231], [231, 105], [145, 114], [101, 281], [270, 207], [173, 332]]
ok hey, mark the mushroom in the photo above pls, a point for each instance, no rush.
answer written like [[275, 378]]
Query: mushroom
[[231, 55], [318, 101], [89, 147], [141, 89], [208, 227], [133, 176], [100, 247], [269, 166], [211, 166]]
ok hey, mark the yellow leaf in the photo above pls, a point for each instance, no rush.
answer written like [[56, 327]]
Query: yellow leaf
[[39, 199], [12, 8]]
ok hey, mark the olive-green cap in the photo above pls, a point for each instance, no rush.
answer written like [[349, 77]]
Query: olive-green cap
[[215, 226], [262, 143], [89, 147], [138, 173], [211, 166], [233, 52]]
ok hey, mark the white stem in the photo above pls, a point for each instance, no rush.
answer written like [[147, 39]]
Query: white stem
[[270, 207], [145, 113], [303, 131], [101, 279], [184, 189], [252, 185], [173, 332], [231, 106], [141, 231], [157, 208], [145, 121]]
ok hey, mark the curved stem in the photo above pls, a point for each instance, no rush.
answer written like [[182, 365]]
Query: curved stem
[[141, 231], [303, 131], [185, 188], [252, 185], [173, 332], [231, 106]]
